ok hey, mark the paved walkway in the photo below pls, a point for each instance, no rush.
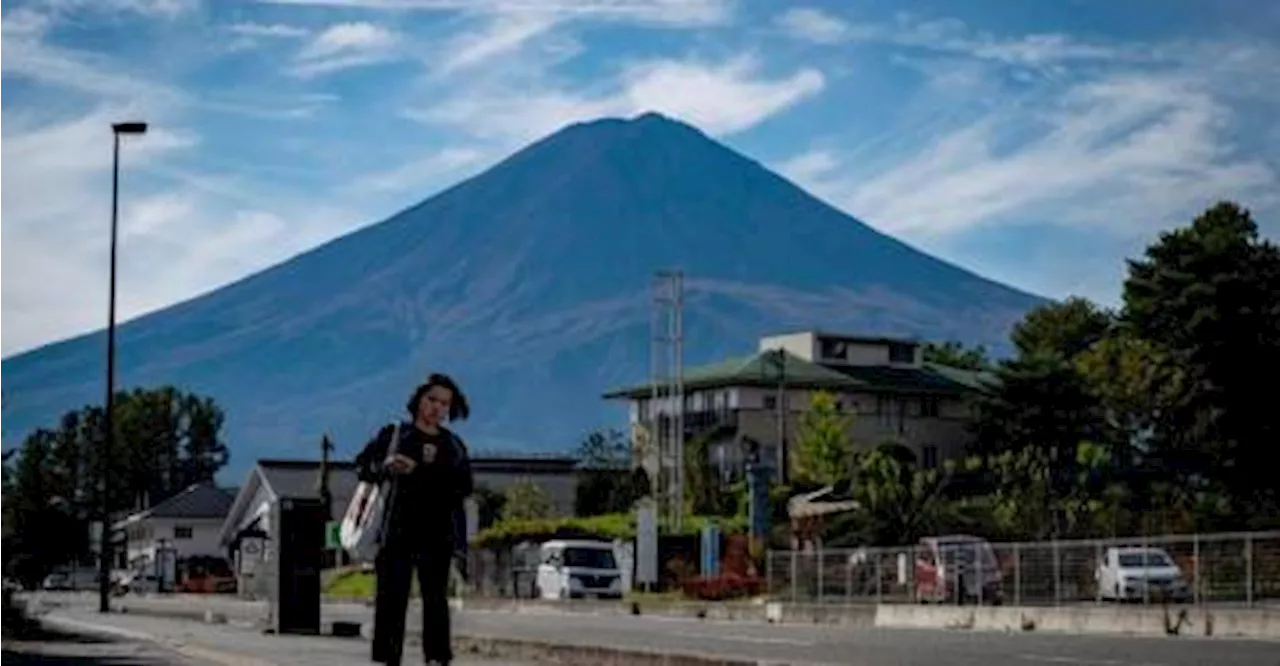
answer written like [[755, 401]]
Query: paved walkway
[[191, 643]]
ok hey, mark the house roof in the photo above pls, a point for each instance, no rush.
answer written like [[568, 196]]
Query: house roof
[[300, 479], [194, 502], [759, 369]]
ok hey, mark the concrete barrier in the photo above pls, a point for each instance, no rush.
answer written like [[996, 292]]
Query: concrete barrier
[[1174, 620], [586, 655]]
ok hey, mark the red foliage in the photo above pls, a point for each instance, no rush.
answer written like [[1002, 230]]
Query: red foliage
[[722, 587]]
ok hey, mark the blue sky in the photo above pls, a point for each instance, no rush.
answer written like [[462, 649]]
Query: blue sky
[[1038, 143]]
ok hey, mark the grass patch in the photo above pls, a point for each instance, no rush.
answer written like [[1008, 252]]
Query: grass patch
[[352, 584]]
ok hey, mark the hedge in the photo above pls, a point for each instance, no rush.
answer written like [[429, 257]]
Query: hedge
[[607, 527]]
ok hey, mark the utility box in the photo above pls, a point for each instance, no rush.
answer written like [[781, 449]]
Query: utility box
[[298, 534]]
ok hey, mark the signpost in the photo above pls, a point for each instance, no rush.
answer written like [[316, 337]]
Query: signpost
[[646, 543]]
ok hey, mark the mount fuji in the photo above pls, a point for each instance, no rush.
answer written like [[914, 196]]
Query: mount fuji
[[531, 284]]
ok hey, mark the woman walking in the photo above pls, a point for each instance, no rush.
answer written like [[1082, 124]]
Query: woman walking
[[432, 476]]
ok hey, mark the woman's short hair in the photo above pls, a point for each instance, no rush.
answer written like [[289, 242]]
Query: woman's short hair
[[459, 409]]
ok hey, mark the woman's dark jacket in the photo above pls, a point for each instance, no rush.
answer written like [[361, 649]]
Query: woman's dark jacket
[[433, 493]]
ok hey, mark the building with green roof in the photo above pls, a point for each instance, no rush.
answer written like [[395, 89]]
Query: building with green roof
[[754, 403]]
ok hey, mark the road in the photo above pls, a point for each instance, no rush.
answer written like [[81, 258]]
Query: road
[[189, 643], [815, 644]]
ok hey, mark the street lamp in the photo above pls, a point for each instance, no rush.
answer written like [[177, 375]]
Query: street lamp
[[104, 565]]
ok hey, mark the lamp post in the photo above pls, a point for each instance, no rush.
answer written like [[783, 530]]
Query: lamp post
[[104, 564]]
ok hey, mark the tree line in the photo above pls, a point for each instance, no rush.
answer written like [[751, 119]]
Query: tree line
[[1151, 417], [166, 440]]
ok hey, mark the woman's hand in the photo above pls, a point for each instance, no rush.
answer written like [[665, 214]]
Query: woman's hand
[[398, 463]]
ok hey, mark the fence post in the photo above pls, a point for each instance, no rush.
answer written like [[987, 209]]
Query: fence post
[[980, 570], [848, 579], [879, 576], [821, 554], [1195, 568], [1017, 575], [1248, 570], [768, 573], [1146, 587], [1097, 569], [1057, 574], [795, 570]]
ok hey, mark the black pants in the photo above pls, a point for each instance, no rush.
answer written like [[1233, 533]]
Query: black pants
[[395, 566]]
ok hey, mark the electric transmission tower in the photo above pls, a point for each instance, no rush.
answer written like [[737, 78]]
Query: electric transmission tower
[[666, 404]]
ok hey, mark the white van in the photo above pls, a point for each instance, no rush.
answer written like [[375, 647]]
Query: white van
[[578, 569]]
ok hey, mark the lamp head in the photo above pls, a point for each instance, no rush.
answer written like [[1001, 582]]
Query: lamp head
[[129, 128]]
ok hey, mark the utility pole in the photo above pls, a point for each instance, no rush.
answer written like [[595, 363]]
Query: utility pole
[[780, 360], [326, 496]]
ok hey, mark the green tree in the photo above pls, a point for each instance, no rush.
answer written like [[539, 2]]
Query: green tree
[[898, 502], [823, 452], [489, 505], [606, 482], [525, 500], [1207, 296], [1043, 408], [956, 355]]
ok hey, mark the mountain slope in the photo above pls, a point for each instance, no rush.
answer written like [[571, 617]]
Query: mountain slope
[[530, 283]]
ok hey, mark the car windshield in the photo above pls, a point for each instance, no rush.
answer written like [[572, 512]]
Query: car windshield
[[589, 558], [963, 551], [1131, 560]]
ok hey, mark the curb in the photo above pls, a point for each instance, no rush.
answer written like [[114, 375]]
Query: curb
[[562, 654]]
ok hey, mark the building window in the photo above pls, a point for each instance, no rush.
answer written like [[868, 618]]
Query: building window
[[901, 352], [771, 402], [929, 407], [182, 532], [834, 350], [929, 456]]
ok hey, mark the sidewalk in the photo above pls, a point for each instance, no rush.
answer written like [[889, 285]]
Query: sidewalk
[[226, 644]]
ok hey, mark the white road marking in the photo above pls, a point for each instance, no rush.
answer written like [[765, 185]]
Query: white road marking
[[745, 639], [1076, 661]]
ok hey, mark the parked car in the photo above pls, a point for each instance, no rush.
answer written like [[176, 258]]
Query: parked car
[[577, 569], [1130, 574], [957, 568]]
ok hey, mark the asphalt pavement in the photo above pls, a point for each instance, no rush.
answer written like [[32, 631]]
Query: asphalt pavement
[[809, 644], [191, 643]]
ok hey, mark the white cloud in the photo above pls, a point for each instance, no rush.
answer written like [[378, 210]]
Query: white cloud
[[949, 35], [415, 176], [657, 12], [1124, 154], [150, 8], [25, 53], [280, 30], [502, 35], [343, 46], [813, 25], [720, 98]]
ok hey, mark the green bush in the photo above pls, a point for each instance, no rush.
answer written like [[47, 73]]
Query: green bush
[[607, 527]]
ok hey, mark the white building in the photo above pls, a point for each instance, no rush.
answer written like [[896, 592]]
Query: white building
[[188, 522]]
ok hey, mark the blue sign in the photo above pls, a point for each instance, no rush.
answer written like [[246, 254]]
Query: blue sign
[[710, 550], [759, 515]]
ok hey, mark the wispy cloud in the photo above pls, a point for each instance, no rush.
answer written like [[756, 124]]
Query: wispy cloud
[[343, 46], [950, 36], [278, 30], [148, 8], [1122, 153], [26, 53], [719, 97], [503, 34], [662, 12]]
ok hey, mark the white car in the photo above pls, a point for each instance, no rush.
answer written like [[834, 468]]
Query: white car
[[578, 569], [1136, 574]]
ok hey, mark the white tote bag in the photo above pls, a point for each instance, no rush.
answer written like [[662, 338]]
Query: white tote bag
[[365, 521]]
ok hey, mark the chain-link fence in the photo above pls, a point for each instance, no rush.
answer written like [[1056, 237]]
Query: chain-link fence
[[1227, 569]]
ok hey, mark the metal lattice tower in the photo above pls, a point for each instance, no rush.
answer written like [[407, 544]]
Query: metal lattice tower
[[666, 405]]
